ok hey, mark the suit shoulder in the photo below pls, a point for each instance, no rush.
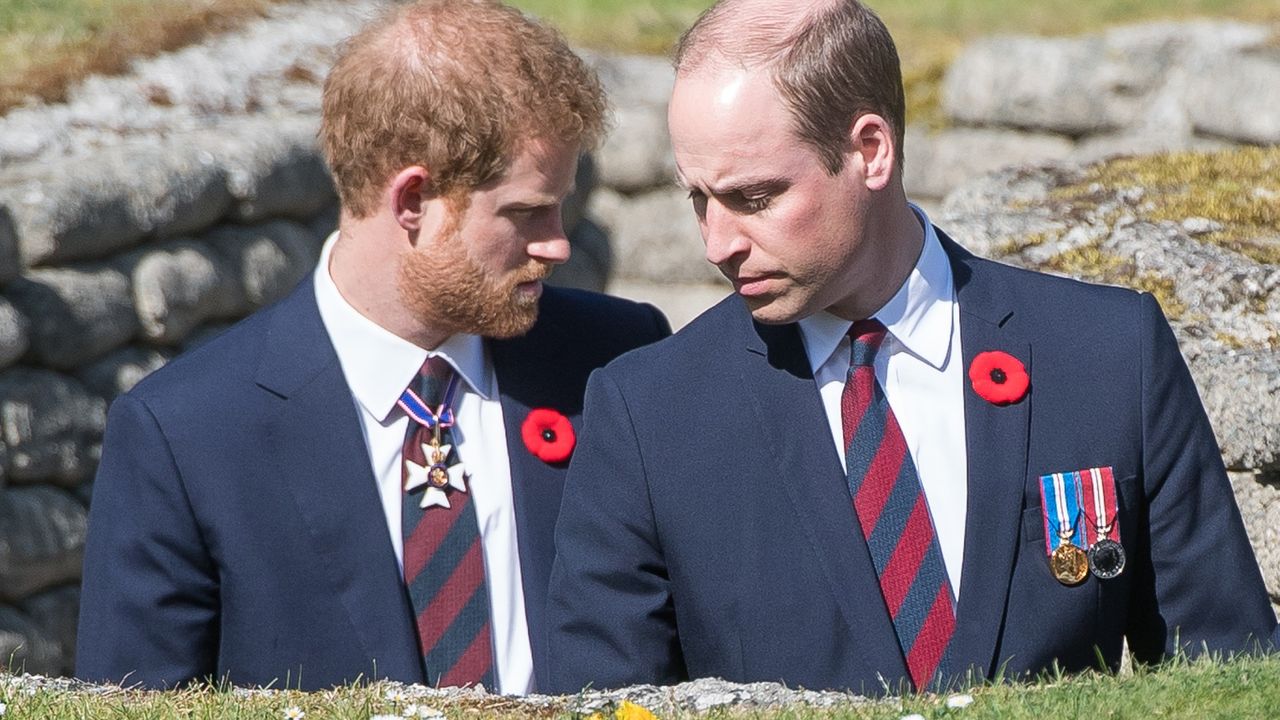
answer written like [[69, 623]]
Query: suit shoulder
[[593, 307], [1040, 293], [208, 371], [689, 350], [1063, 311], [582, 317]]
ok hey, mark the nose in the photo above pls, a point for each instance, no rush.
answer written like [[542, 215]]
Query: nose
[[722, 234], [553, 247]]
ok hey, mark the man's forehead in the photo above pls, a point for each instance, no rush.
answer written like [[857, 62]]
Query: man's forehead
[[723, 86], [539, 166]]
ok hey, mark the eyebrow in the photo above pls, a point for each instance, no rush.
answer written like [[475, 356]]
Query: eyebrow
[[749, 187], [540, 201], [752, 186], [743, 186]]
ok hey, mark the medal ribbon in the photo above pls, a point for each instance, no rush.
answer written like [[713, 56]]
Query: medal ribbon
[[420, 412], [1060, 496], [1099, 489]]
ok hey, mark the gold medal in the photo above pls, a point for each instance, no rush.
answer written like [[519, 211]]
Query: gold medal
[[1069, 564]]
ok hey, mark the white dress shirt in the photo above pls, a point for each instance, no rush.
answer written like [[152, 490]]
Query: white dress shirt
[[378, 366], [920, 367]]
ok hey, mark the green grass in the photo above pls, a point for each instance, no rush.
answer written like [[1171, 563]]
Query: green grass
[[47, 44], [929, 33], [1244, 688]]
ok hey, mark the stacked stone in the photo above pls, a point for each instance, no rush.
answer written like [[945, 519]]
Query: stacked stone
[[649, 245], [110, 264], [1138, 89]]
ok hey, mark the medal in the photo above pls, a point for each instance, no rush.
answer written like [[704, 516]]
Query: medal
[[1069, 564], [437, 474], [1106, 559], [1106, 556], [1060, 496]]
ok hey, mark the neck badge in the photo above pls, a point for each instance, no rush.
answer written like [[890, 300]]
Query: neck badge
[[439, 475]]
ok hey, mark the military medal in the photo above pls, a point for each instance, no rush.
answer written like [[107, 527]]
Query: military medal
[[1106, 556], [1106, 559], [1070, 564], [438, 475], [1060, 498]]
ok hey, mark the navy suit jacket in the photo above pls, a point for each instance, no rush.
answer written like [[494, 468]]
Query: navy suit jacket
[[236, 530], [707, 527]]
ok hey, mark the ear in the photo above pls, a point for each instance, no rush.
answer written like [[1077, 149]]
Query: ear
[[408, 196], [874, 147]]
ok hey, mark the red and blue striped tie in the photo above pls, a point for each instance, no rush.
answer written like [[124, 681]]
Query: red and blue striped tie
[[443, 559], [893, 513]]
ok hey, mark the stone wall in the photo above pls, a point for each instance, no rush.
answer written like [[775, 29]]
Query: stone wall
[[151, 210], [1135, 89], [114, 263]]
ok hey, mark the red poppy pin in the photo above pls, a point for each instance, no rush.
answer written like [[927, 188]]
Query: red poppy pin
[[998, 377], [548, 434]]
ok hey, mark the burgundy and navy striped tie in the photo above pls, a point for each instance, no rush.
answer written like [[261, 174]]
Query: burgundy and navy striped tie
[[443, 560], [893, 513]]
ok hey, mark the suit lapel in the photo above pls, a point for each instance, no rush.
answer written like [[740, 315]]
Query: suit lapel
[[775, 370], [996, 446], [527, 379], [316, 441]]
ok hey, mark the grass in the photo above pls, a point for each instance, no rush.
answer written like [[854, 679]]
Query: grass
[[47, 44], [929, 33], [1243, 688]]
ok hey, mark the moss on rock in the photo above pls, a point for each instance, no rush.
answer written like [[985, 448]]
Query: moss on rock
[[1236, 191]]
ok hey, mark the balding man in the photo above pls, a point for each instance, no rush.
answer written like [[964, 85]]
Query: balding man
[[362, 481], [884, 464]]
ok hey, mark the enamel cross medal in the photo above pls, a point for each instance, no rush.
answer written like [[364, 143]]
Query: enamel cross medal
[[439, 474]]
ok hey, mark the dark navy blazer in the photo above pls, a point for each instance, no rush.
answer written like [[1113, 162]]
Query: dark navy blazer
[[236, 530], [707, 527]]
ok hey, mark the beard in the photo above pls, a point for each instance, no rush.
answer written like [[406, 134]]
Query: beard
[[448, 290]]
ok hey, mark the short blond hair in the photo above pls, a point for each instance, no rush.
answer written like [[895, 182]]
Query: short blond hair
[[456, 86]]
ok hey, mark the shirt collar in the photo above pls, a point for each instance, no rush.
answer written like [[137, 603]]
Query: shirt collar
[[919, 315], [379, 364]]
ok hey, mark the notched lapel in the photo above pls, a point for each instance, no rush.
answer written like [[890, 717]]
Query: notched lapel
[[317, 445], [528, 378], [996, 439], [789, 413]]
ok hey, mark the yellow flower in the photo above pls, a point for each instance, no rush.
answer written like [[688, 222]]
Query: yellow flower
[[631, 711]]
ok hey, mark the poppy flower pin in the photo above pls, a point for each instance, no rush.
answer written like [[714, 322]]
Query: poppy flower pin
[[548, 434], [998, 377]]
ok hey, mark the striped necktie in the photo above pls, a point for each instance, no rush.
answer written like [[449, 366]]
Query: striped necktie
[[893, 513], [443, 558]]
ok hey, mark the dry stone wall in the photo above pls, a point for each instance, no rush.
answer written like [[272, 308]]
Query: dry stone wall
[[120, 261], [1130, 90], [151, 210]]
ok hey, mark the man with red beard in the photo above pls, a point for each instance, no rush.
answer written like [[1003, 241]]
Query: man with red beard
[[362, 481]]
